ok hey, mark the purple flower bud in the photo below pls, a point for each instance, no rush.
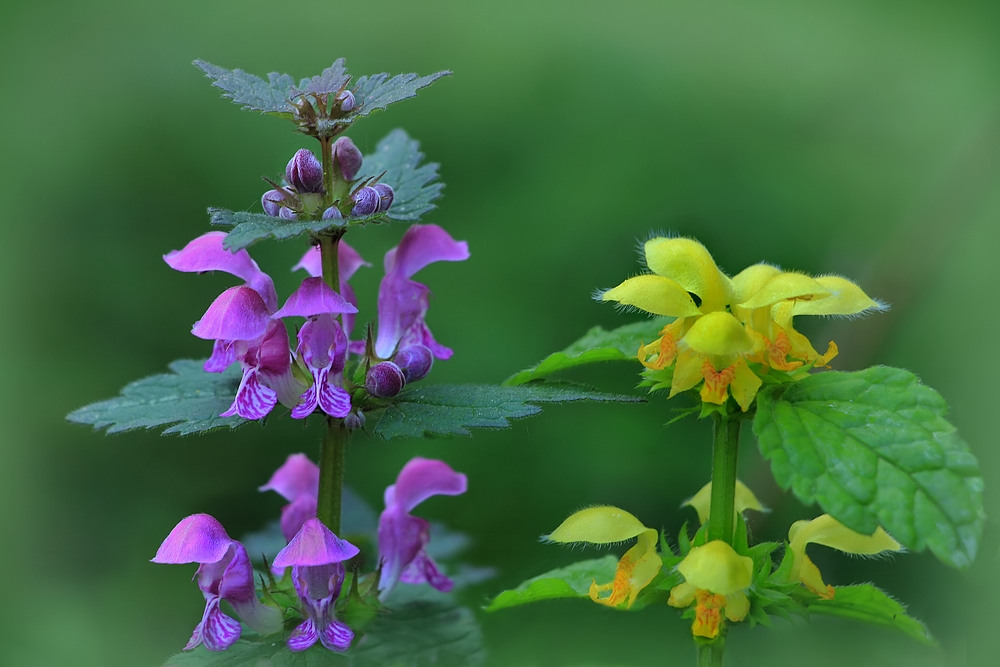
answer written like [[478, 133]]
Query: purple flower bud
[[384, 380], [347, 157], [365, 202], [304, 172], [332, 213], [385, 196], [355, 420], [415, 361], [346, 99], [287, 214], [271, 201]]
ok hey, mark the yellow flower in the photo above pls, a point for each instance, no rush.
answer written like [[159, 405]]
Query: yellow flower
[[715, 579], [609, 525], [701, 501], [829, 532]]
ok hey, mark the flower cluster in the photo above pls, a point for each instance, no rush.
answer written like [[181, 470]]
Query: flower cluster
[[246, 325], [314, 554], [728, 333]]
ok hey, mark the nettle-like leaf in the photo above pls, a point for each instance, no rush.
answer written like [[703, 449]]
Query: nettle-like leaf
[[572, 581], [598, 344], [873, 447], [379, 90], [332, 80], [250, 91], [415, 186], [187, 400], [454, 409], [866, 603]]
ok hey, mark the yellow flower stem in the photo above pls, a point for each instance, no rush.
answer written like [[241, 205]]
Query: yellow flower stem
[[331, 473], [725, 448], [710, 653]]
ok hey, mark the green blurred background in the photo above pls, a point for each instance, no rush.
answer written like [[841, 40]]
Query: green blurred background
[[852, 137]]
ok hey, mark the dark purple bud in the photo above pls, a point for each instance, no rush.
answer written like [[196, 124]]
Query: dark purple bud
[[287, 214], [304, 172], [271, 201], [347, 157], [332, 213], [365, 202], [354, 420], [346, 99], [415, 361], [384, 380], [385, 196]]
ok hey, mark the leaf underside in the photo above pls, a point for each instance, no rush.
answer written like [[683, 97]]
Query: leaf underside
[[874, 448], [867, 603], [572, 581]]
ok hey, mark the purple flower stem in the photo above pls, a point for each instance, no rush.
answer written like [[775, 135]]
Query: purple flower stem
[[331, 473]]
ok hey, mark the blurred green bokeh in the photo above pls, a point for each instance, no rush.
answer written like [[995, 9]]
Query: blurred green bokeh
[[851, 137]]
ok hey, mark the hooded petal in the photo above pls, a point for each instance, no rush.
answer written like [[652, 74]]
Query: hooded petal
[[297, 477], [702, 501], [749, 281], [716, 567], [691, 265], [718, 334], [422, 245], [315, 544], [206, 253], [198, 538], [603, 524], [846, 298], [314, 297], [785, 286], [239, 313], [654, 294], [422, 478]]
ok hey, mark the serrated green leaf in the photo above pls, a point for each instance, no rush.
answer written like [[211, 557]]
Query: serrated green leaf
[[422, 627], [187, 399], [454, 409], [415, 185], [873, 447], [247, 228], [572, 581], [330, 81], [250, 91], [379, 91], [866, 603], [597, 345]]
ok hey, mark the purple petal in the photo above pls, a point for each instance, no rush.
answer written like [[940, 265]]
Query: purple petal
[[295, 514], [315, 544], [297, 477], [419, 333], [422, 569], [216, 630], [422, 478], [239, 313], [198, 538], [308, 401], [206, 253], [223, 356], [322, 344], [334, 400], [401, 303], [336, 636], [348, 262], [400, 538], [422, 245], [272, 356], [253, 399], [303, 636], [314, 297]]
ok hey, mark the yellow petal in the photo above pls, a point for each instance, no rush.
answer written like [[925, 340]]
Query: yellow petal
[[682, 595], [751, 279], [783, 287], [737, 606], [829, 532], [716, 567], [687, 372], [654, 294], [846, 298], [701, 501], [597, 525], [691, 265], [635, 570], [744, 387], [718, 334]]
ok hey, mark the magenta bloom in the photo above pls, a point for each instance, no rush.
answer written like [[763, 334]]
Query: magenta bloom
[[224, 573], [402, 538], [297, 480], [403, 303], [348, 262], [316, 557]]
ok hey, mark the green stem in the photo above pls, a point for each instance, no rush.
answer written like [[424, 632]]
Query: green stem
[[331, 473], [328, 253], [326, 157], [722, 512], [710, 655]]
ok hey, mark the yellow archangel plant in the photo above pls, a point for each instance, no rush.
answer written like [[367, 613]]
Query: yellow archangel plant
[[728, 332]]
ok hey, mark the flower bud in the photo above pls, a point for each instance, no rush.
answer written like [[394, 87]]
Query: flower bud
[[415, 361], [347, 157], [385, 196], [287, 214], [271, 201], [384, 380], [354, 420], [332, 213], [304, 172], [365, 202], [346, 99]]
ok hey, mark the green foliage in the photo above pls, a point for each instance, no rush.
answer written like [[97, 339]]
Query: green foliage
[[454, 409], [866, 603], [598, 344], [420, 627], [188, 400], [873, 447], [572, 581], [379, 91], [247, 228], [249, 90]]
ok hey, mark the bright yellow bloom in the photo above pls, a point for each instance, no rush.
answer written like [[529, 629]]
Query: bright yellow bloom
[[715, 579], [829, 532], [608, 525], [701, 501]]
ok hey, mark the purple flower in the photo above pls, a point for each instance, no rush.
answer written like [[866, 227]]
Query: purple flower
[[348, 262], [402, 538], [316, 557], [297, 481], [224, 573], [384, 380], [403, 303], [304, 172], [346, 157], [366, 200]]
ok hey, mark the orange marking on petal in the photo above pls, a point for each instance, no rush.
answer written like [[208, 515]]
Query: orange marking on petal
[[777, 353], [716, 383], [665, 350], [707, 614]]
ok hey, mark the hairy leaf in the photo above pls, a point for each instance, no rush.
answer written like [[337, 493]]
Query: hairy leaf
[[250, 91], [866, 603], [414, 184], [874, 447], [330, 81], [598, 344], [572, 581], [454, 409], [379, 91], [187, 399]]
